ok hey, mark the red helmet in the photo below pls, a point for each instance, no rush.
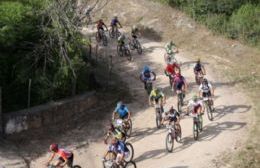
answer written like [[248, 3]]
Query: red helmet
[[54, 147]]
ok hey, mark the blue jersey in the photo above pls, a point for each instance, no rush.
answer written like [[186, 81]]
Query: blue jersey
[[114, 22], [122, 111], [119, 147]]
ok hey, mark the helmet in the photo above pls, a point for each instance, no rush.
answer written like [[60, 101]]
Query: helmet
[[146, 68], [171, 109], [171, 43], [198, 61], [194, 97], [205, 81], [100, 20], [54, 147], [115, 16], [134, 27]]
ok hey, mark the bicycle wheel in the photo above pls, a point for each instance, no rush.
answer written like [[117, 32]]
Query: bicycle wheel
[[158, 118], [76, 166], [131, 152], [128, 54], [105, 42], [139, 47], [149, 87], [169, 142], [209, 111], [120, 51], [111, 33], [129, 129], [178, 133], [179, 103], [200, 123], [195, 131], [130, 164]]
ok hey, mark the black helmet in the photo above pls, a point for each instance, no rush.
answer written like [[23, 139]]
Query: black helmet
[[205, 81]]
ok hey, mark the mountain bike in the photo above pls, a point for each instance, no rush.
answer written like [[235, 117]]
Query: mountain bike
[[123, 50], [135, 44], [174, 132], [101, 35]]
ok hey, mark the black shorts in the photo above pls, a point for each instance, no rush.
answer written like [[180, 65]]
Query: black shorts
[[173, 119], [70, 161], [179, 85], [134, 36], [206, 94], [156, 99]]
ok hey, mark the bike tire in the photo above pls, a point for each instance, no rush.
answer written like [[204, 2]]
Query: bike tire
[[130, 164], [118, 33], [195, 131], [120, 51], [179, 103], [131, 46], [128, 54], [111, 34], [178, 134], [169, 142], [76, 166], [149, 88], [209, 112], [200, 123], [139, 47], [158, 118], [129, 131], [105, 42], [131, 150]]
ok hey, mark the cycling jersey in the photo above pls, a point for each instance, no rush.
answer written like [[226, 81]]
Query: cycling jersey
[[122, 111], [179, 81], [198, 67], [170, 69], [119, 147], [64, 154], [100, 25], [195, 105], [114, 22], [205, 88], [173, 116], [156, 96]]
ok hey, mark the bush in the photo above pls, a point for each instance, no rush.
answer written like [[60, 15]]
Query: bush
[[245, 24]]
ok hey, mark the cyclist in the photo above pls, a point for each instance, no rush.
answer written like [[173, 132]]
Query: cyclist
[[65, 156], [114, 23], [171, 50], [119, 149], [179, 82], [170, 71], [206, 90], [122, 111], [146, 75], [196, 106], [114, 132], [157, 96], [135, 32], [172, 116], [121, 40], [199, 68], [100, 27]]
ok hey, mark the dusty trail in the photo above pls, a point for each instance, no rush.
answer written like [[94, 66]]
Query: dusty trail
[[224, 134]]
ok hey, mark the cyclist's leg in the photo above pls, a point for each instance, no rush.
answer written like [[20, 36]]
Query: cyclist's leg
[[70, 161], [119, 158]]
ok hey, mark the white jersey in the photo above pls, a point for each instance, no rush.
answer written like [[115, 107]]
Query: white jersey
[[193, 104], [205, 88]]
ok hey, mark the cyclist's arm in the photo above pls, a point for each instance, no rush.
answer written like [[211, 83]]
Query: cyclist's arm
[[119, 24], [51, 158], [211, 89], [154, 75], [65, 162], [105, 26]]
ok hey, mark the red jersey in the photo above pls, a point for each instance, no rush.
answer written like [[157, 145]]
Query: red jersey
[[170, 68], [64, 153], [100, 25]]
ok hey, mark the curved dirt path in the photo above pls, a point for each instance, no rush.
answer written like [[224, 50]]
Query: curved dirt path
[[222, 134]]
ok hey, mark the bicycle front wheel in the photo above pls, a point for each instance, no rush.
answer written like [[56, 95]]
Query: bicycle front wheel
[[195, 131], [131, 152], [169, 142], [130, 164]]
